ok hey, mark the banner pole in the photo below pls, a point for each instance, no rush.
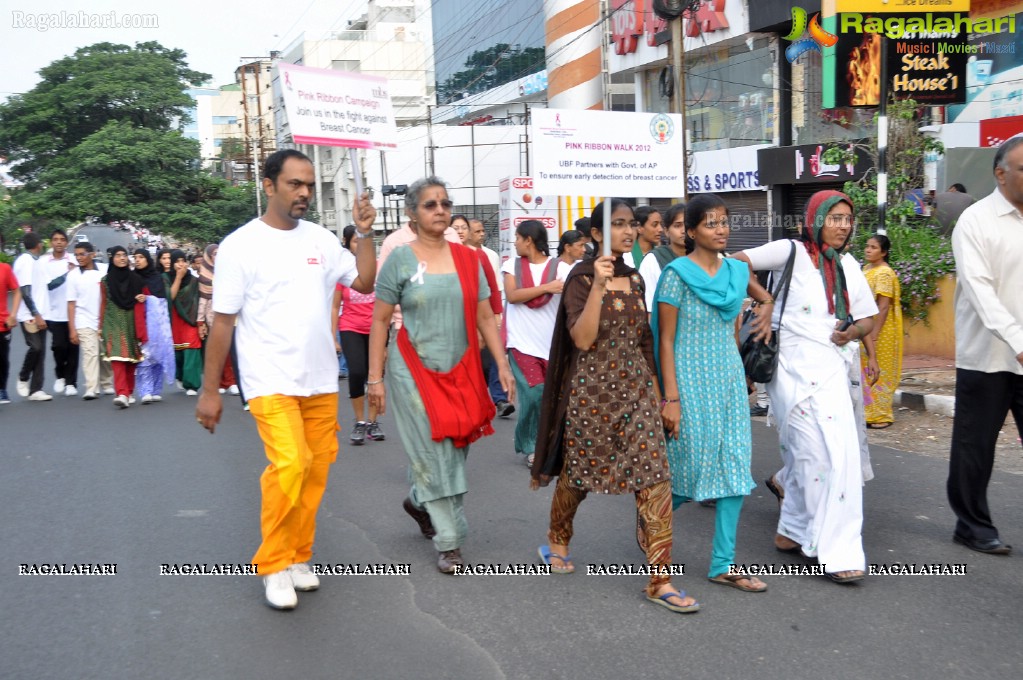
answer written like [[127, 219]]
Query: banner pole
[[353, 154], [607, 226]]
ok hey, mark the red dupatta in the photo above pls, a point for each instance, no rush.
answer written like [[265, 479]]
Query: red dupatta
[[457, 401]]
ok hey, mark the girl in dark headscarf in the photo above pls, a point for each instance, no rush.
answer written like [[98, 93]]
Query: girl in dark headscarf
[[157, 365], [123, 323], [186, 326], [146, 267]]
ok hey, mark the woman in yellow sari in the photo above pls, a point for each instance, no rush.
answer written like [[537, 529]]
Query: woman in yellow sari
[[887, 333]]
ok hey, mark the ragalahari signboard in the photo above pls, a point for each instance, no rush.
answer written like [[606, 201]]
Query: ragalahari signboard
[[902, 6], [337, 108], [607, 153]]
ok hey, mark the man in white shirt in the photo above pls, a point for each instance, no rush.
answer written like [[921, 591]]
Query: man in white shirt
[[988, 247], [475, 239], [276, 276], [83, 309], [57, 264], [32, 281]]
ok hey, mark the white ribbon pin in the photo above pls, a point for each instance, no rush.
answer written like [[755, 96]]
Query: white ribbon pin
[[418, 276]]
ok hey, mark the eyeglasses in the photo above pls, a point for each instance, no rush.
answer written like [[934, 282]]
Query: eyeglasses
[[621, 223], [715, 225], [839, 220], [432, 205]]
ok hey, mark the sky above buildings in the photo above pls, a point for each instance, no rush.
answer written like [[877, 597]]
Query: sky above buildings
[[217, 35]]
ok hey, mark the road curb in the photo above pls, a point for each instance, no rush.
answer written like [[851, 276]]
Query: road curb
[[936, 403]]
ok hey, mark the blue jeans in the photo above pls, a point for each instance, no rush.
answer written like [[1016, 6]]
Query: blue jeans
[[342, 365], [497, 393]]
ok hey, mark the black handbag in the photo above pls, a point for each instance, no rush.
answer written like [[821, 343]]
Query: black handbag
[[760, 358]]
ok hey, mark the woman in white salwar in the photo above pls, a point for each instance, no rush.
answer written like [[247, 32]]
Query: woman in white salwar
[[829, 310]]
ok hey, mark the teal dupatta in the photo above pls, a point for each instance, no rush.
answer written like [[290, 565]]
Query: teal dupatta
[[724, 291]]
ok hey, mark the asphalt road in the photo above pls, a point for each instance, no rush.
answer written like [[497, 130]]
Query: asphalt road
[[104, 236], [83, 482]]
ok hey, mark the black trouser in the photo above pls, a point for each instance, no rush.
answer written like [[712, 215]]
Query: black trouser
[[982, 402], [65, 353], [5, 356], [356, 349], [35, 359]]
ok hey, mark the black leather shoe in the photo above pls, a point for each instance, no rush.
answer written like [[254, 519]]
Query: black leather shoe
[[422, 518], [991, 546]]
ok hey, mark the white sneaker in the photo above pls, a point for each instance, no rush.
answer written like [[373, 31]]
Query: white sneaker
[[109, 390], [89, 395], [22, 389], [131, 399], [147, 399], [40, 396], [70, 391], [156, 398], [121, 401], [191, 393], [58, 385], [233, 389], [280, 592], [222, 390], [302, 577]]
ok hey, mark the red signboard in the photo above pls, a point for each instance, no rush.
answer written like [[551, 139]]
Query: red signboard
[[994, 131], [710, 16], [632, 18]]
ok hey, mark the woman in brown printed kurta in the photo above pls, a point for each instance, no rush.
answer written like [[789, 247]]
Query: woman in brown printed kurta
[[600, 427]]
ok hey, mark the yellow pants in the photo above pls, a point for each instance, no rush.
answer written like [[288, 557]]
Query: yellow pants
[[300, 437]]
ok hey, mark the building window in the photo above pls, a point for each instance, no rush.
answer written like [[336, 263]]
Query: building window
[[730, 96], [809, 122]]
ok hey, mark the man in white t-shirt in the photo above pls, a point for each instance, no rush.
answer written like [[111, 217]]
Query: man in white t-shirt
[[83, 309], [276, 276], [32, 281], [57, 264], [475, 239]]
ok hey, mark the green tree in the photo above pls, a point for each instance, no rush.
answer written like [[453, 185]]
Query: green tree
[[101, 135], [79, 95]]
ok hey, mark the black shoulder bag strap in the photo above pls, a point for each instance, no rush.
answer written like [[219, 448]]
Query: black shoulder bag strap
[[783, 284]]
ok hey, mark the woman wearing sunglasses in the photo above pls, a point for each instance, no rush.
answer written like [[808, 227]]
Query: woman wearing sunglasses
[[435, 375]]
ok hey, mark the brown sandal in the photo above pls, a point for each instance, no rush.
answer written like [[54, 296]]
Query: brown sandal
[[732, 581]]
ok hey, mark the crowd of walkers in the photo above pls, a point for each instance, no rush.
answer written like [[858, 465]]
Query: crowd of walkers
[[621, 356], [133, 326]]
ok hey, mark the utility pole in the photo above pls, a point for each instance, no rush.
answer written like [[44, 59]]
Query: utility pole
[[673, 11]]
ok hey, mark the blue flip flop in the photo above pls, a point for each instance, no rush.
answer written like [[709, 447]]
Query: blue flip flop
[[662, 600], [545, 556]]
